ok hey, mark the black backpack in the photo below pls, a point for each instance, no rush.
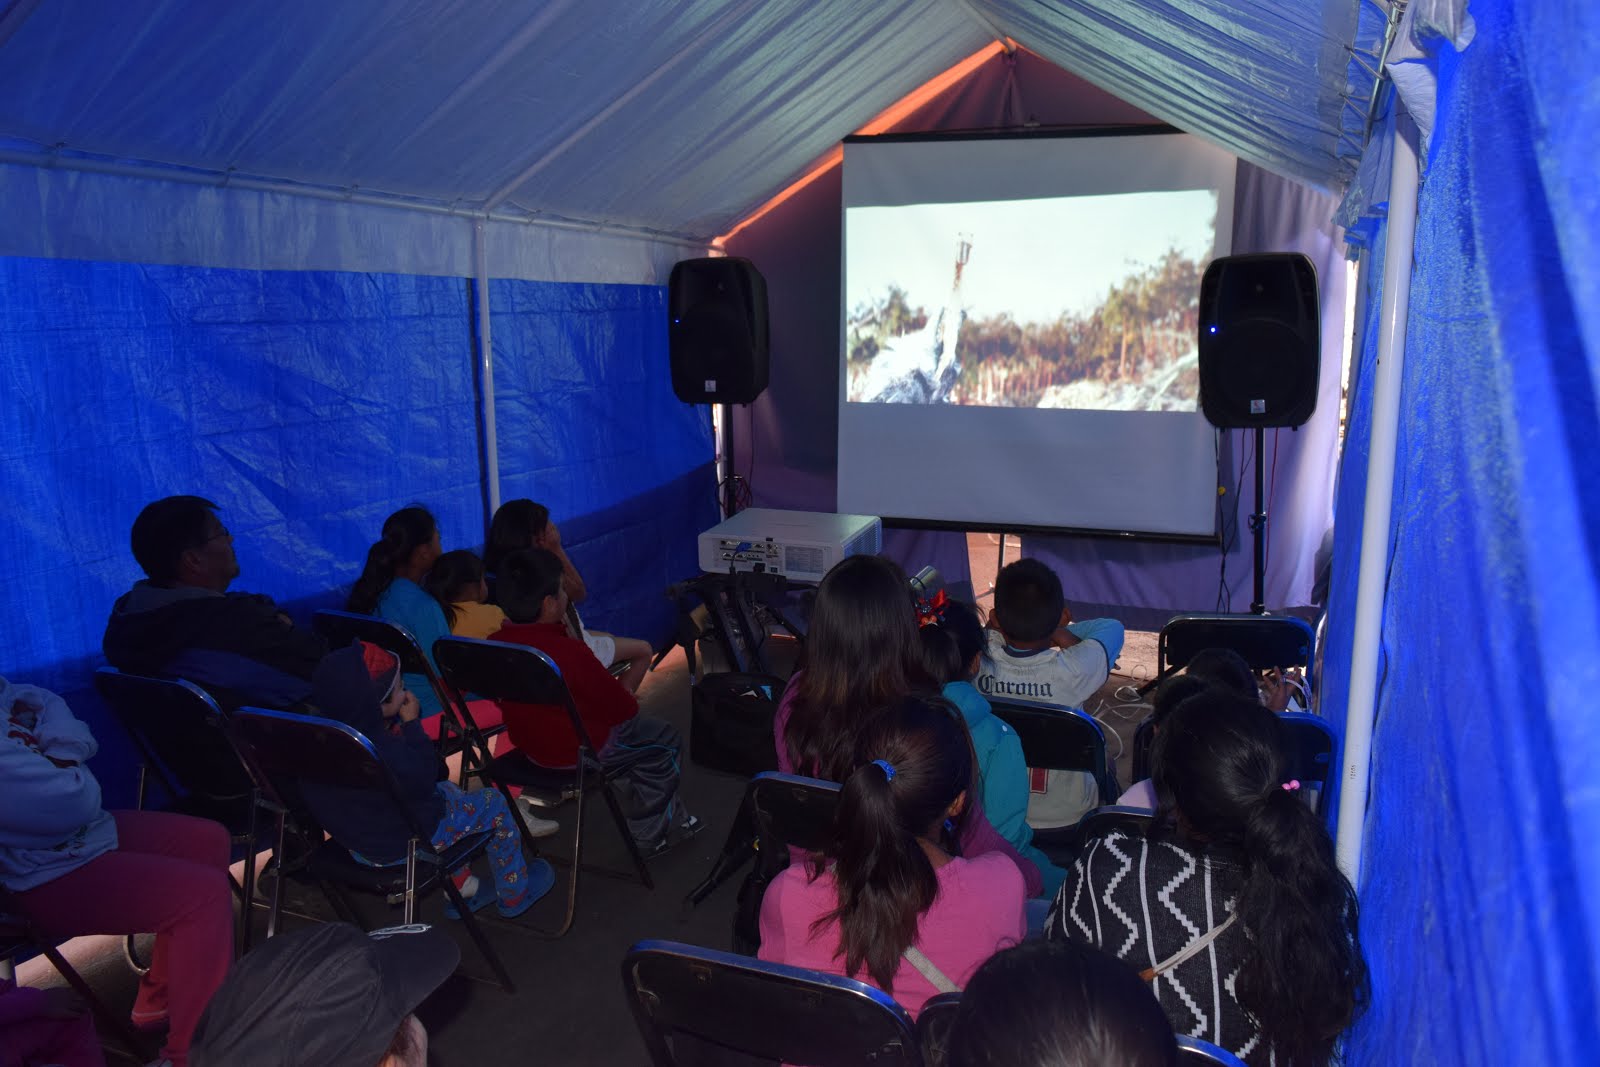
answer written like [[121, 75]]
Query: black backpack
[[730, 727]]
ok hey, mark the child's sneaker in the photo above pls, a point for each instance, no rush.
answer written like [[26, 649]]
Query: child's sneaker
[[537, 827], [676, 836]]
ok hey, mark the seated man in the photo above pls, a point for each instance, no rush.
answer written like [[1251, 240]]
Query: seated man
[[641, 751], [182, 620], [1036, 654]]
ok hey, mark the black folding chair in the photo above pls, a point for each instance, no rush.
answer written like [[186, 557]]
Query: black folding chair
[[767, 1010], [1193, 1052], [1313, 759], [519, 674], [1144, 739], [286, 751], [1114, 819], [18, 934], [1266, 642], [784, 811], [459, 731], [792, 811], [1312, 750], [934, 1026], [1061, 739], [180, 734]]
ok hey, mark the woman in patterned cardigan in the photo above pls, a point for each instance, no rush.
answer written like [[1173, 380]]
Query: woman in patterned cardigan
[[1232, 840]]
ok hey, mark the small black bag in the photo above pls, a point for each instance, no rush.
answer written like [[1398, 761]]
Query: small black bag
[[730, 728]]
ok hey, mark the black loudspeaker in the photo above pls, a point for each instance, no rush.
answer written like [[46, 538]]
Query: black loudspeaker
[[717, 330], [1260, 341]]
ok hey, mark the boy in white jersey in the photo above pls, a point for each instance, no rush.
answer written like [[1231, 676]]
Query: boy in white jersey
[[1036, 654]]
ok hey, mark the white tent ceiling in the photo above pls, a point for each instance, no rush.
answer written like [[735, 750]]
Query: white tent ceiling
[[669, 118]]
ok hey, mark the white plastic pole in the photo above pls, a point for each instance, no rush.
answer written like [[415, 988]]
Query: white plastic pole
[[491, 453], [1363, 695]]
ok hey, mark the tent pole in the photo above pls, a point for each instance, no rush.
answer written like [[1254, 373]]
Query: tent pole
[[491, 451], [1375, 533]]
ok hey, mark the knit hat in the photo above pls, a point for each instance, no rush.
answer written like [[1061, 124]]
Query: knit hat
[[383, 667], [328, 996]]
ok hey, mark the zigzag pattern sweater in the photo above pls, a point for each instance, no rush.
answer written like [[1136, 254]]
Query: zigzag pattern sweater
[[1144, 901]]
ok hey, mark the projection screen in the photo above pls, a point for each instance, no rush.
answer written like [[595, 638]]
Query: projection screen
[[1019, 338]]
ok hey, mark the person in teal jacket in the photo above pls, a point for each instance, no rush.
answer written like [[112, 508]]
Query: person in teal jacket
[[952, 636]]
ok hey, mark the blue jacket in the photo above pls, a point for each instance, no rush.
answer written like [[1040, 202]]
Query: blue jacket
[[360, 819], [407, 603], [1003, 773]]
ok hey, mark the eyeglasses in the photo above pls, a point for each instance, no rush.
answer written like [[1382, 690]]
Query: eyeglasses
[[218, 535]]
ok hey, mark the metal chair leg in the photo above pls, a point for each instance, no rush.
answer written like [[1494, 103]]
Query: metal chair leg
[[470, 921], [411, 882], [116, 1024], [247, 913], [627, 837], [276, 907]]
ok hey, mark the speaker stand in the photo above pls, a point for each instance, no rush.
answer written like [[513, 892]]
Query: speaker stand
[[727, 487], [1258, 530]]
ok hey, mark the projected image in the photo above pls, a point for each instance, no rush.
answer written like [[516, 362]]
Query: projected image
[[1089, 302]]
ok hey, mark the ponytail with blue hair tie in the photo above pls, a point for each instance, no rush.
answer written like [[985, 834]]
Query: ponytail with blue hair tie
[[886, 767]]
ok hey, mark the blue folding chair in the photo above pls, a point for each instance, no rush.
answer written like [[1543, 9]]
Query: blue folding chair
[[286, 751], [767, 1010]]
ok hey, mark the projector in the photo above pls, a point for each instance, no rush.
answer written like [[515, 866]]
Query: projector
[[801, 545]]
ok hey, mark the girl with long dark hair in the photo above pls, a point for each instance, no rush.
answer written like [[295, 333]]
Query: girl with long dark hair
[[892, 902], [522, 524], [863, 653], [1234, 904], [390, 587]]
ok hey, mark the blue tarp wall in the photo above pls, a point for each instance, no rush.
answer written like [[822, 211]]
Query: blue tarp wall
[[309, 405], [1481, 877]]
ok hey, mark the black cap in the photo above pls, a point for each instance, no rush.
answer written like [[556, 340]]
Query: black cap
[[329, 996]]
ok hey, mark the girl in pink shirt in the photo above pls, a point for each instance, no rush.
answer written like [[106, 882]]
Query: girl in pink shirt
[[890, 902], [863, 653]]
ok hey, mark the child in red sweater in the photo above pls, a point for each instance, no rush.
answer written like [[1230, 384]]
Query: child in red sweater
[[641, 752]]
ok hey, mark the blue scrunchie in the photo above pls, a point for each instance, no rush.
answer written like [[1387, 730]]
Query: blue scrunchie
[[888, 769]]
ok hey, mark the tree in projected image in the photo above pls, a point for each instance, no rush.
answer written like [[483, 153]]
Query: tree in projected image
[[1135, 351]]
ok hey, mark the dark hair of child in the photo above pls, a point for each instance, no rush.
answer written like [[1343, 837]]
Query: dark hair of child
[[452, 576], [1226, 668], [862, 653], [1219, 763], [403, 533], [885, 879], [526, 577], [1028, 600], [1059, 1004], [951, 640], [515, 525]]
